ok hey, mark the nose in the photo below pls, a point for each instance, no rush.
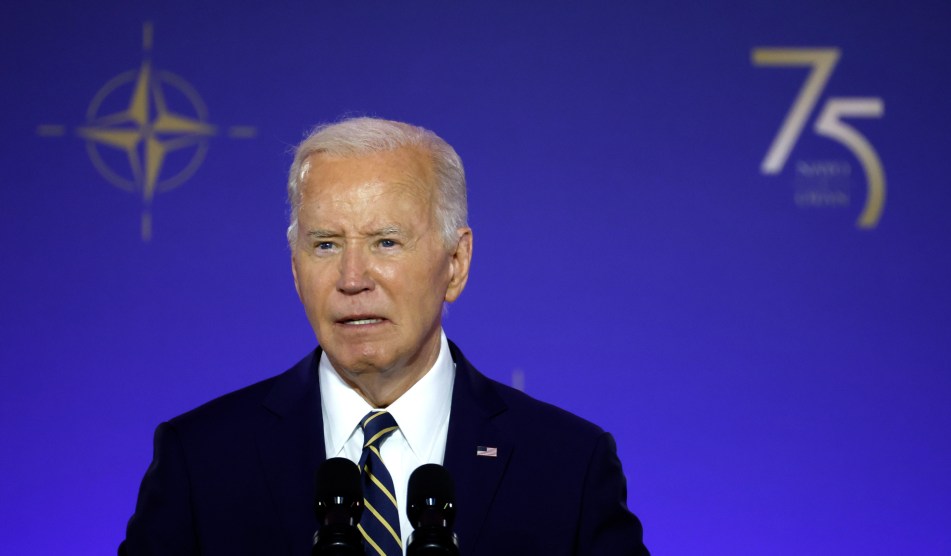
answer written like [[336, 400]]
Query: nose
[[354, 272]]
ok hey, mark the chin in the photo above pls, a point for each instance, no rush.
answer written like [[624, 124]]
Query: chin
[[360, 360]]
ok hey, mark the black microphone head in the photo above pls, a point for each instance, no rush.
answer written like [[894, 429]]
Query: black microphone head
[[431, 495], [338, 506], [338, 477], [338, 484]]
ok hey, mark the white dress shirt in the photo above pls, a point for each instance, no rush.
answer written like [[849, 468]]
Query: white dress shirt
[[422, 414]]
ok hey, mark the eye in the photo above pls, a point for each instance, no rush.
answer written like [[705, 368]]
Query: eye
[[324, 246], [387, 243]]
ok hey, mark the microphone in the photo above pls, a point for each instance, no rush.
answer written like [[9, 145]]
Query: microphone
[[431, 508], [339, 504]]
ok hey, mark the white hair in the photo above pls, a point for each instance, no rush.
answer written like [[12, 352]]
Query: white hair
[[364, 136]]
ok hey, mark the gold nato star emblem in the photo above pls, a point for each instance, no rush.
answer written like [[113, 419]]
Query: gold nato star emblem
[[138, 140]]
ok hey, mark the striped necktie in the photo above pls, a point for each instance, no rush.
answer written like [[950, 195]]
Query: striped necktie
[[380, 524]]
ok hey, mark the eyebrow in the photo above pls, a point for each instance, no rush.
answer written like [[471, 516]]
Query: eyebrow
[[321, 233], [388, 231]]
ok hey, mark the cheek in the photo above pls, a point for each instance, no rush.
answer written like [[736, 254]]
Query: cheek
[[390, 273], [312, 287]]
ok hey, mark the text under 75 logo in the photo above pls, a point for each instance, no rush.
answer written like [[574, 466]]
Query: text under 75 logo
[[829, 122]]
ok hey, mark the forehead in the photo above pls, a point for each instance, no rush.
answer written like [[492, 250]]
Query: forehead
[[403, 171]]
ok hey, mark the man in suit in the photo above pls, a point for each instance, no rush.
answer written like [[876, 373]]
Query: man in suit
[[379, 242]]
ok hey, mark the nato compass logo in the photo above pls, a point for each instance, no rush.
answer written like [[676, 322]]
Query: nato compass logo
[[147, 131], [825, 183]]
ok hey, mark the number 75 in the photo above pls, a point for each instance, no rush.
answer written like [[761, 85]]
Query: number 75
[[829, 123]]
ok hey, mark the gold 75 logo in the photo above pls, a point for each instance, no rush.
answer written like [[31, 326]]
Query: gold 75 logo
[[829, 123]]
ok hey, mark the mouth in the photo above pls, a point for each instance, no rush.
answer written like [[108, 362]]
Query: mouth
[[360, 320]]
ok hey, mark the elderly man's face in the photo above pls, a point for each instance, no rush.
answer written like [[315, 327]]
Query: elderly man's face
[[370, 264]]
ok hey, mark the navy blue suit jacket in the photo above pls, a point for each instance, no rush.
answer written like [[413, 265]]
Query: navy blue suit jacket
[[236, 475]]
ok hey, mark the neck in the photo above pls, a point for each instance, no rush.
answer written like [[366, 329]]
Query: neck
[[382, 387], [381, 391]]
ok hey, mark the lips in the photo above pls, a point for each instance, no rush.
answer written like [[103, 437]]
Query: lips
[[360, 320]]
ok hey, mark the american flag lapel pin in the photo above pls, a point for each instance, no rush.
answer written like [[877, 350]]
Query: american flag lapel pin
[[487, 451]]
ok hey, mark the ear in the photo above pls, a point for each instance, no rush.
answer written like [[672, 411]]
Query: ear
[[459, 260]]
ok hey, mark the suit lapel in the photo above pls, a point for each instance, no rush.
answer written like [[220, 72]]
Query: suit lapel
[[291, 447], [474, 405]]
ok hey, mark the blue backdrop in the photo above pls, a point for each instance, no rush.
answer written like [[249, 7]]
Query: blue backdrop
[[768, 341]]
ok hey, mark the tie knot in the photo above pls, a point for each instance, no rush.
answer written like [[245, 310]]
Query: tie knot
[[376, 426]]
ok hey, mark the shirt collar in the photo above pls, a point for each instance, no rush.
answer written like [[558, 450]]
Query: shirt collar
[[421, 408]]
